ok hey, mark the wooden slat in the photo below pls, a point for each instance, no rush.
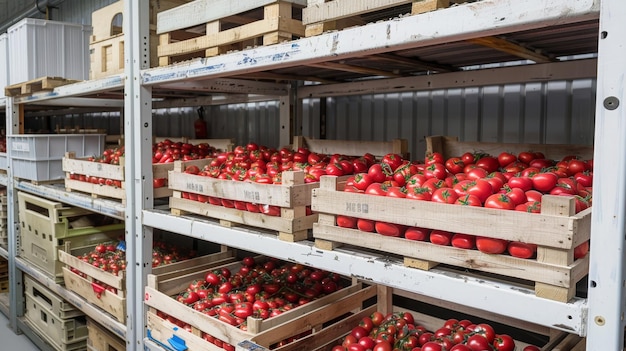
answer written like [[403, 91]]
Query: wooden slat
[[509, 47]]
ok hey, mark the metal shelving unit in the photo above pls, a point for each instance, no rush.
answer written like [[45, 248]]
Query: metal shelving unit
[[565, 22]]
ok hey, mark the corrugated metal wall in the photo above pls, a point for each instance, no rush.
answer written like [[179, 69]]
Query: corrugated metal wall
[[75, 10], [554, 113]]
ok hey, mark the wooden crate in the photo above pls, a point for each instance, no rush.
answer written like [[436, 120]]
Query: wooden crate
[[450, 146], [557, 230], [323, 15], [353, 148], [106, 45], [73, 165], [205, 28], [100, 339], [115, 303], [292, 196], [311, 316], [45, 225]]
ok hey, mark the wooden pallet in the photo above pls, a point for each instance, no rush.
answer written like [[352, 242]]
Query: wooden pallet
[[311, 315], [115, 303], [323, 15], [36, 85], [207, 28], [556, 231]]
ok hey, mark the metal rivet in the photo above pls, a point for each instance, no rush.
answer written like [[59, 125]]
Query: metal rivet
[[599, 320], [145, 125], [611, 103]]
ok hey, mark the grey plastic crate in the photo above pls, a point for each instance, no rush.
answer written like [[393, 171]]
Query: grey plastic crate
[[40, 157]]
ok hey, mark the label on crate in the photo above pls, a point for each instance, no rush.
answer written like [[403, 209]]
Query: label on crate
[[357, 207], [253, 196], [20, 146], [194, 187]]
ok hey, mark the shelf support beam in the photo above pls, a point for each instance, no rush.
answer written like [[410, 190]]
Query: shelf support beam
[[607, 294], [139, 192]]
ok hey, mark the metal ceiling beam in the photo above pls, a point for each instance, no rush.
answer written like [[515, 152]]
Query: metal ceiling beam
[[579, 69], [29, 12]]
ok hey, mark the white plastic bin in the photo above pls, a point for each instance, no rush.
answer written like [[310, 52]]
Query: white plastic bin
[[40, 157], [4, 62], [40, 48]]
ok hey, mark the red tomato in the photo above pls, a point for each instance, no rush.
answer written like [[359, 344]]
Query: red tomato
[[576, 166], [581, 250], [377, 173], [421, 193], [440, 237], [524, 183], [346, 221], [486, 331], [464, 241], [468, 158], [389, 229], [432, 346], [506, 158], [359, 332], [460, 347], [396, 191], [478, 342], [526, 156], [383, 346], [504, 342], [468, 200], [376, 189], [491, 245], [521, 250], [545, 181], [454, 165], [488, 163], [393, 160], [481, 189], [436, 170], [541, 163], [529, 207], [584, 178], [434, 157], [531, 348], [517, 195], [533, 195], [365, 225], [444, 195], [159, 182], [499, 201], [362, 181], [415, 233], [367, 343], [476, 173]]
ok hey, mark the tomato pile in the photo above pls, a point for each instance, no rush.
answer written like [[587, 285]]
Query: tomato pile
[[111, 257], [508, 182], [165, 151], [258, 289], [265, 165], [398, 332]]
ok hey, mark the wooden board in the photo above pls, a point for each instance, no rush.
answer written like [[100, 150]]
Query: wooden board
[[449, 146], [100, 339], [187, 32], [556, 231], [351, 147], [323, 15], [35, 85]]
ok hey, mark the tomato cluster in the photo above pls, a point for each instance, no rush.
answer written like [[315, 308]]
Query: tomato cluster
[[3, 144], [111, 257], [399, 332], [265, 165], [258, 289], [506, 182], [165, 151]]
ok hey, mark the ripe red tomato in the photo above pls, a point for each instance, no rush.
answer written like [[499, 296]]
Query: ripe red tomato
[[419, 193], [389, 229], [506, 158], [468, 200], [499, 201], [491, 245], [581, 250], [444, 195], [545, 181], [432, 346], [362, 181], [365, 225], [346, 221], [488, 163], [460, 347], [481, 188], [393, 160], [359, 332], [521, 250], [415, 233], [434, 157], [436, 170], [478, 342], [529, 207], [383, 345], [504, 342], [524, 183], [526, 156], [440, 237], [531, 348], [454, 165], [464, 241], [376, 189], [476, 173]]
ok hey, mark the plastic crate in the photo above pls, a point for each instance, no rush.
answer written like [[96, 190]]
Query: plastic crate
[[39, 48], [56, 304], [63, 334], [40, 157], [4, 62], [45, 226]]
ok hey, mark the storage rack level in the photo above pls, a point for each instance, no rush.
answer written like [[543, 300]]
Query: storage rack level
[[373, 39]]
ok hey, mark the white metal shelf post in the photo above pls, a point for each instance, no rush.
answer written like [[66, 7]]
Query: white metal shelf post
[[607, 296], [16, 299], [138, 136]]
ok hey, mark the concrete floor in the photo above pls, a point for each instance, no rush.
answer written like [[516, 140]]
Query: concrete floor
[[11, 341]]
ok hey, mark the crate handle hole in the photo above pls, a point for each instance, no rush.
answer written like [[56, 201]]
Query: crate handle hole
[[44, 317]]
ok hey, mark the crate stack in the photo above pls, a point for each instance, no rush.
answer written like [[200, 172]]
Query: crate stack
[[46, 226], [59, 323], [4, 233], [4, 276]]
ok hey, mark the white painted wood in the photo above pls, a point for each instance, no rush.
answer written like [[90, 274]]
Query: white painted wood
[[338, 9], [203, 11]]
